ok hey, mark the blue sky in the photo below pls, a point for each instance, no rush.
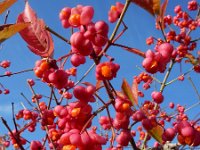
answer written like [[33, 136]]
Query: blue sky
[[140, 26]]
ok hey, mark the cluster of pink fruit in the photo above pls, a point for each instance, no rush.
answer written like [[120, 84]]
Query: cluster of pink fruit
[[115, 12], [188, 133], [144, 77], [70, 122], [120, 122], [89, 38], [5, 64], [15, 137], [49, 72], [157, 61], [69, 126]]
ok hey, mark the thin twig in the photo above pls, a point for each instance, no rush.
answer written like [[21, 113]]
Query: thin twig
[[14, 136], [27, 99], [121, 33], [27, 70], [57, 35], [85, 74], [13, 117], [116, 28], [178, 77], [166, 76], [95, 113], [130, 49], [6, 16], [40, 112], [193, 85], [109, 116]]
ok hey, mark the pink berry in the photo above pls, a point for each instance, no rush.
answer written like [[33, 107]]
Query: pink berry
[[123, 138], [5, 64], [86, 15], [77, 60], [187, 131], [157, 97], [171, 105], [169, 134]]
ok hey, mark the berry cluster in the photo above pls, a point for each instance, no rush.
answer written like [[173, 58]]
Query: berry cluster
[[84, 93], [68, 126], [144, 77], [79, 15], [106, 70], [157, 61], [115, 12], [5, 64], [71, 119], [89, 38], [16, 139], [49, 72], [188, 134]]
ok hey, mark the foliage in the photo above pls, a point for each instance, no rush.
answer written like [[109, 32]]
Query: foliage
[[71, 125]]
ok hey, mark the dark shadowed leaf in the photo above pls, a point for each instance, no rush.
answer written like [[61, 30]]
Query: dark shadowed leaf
[[6, 4], [152, 6], [8, 30], [128, 91], [36, 36]]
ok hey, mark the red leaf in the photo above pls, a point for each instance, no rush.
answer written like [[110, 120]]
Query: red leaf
[[135, 91], [128, 92], [160, 17], [38, 39], [152, 6], [99, 84]]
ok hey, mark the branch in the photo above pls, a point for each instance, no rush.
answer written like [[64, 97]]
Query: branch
[[27, 70], [16, 138], [56, 34]]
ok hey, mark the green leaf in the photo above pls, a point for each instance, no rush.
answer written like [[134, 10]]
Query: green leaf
[[128, 91], [8, 30], [157, 132], [6, 4]]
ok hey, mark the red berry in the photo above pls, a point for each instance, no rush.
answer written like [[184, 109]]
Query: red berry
[[123, 138], [187, 131], [171, 105], [5, 64], [157, 97], [169, 134]]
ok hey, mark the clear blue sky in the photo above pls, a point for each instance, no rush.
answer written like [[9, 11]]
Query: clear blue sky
[[140, 26]]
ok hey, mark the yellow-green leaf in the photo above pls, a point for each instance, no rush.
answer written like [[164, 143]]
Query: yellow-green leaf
[[157, 132], [6, 4], [128, 92], [8, 30]]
